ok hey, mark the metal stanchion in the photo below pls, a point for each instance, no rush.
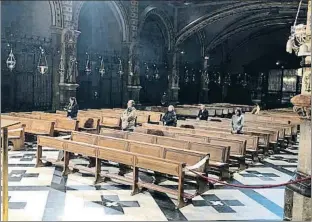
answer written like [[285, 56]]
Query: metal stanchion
[[5, 180]]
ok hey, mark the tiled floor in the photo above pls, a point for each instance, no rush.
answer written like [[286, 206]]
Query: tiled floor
[[42, 194]]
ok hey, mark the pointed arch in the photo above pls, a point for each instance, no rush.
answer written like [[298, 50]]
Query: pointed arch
[[118, 10], [163, 17]]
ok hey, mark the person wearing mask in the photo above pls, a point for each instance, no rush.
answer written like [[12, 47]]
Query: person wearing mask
[[72, 108], [128, 117], [237, 122], [256, 109], [203, 113], [170, 117]]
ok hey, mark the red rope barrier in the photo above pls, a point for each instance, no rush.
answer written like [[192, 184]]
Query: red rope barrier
[[211, 180]]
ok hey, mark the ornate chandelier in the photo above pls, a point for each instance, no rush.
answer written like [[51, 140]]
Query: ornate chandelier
[[88, 65], [102, 68], [120, 69], [11, 62], [42, 63]]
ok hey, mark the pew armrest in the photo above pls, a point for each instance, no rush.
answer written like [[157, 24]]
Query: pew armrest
[[198, 165]]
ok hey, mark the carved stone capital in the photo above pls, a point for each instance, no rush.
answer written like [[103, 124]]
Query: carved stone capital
[[302, 105]]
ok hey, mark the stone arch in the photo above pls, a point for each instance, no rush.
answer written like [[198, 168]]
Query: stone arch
[[262, 32], [264, 23], [238, 8], [56, 14], [118, 10], [163, 17]]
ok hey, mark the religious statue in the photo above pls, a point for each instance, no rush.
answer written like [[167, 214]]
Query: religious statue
[[72, 72], [136, 72]]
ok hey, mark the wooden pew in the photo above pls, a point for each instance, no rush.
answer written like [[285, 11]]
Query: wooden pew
[[34, 126], [62, 123], [264, 136], [16, 135], [110, 122], [219, 154], [277, 119], [267, 136], [88, 124], [134, 160], [283, 129], [251, 145], [192, 158]]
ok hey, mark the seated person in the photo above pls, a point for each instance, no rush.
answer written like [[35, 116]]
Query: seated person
[[128, 117], [237, 122], [203, 113], [256, 109], [170, 117], [72, 108]]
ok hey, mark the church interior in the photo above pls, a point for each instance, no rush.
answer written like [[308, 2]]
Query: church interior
[[177, 110]]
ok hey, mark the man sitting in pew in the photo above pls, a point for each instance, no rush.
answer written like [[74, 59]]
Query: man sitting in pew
[[170, 117], [128, 117], [203, 113], [237, 122]]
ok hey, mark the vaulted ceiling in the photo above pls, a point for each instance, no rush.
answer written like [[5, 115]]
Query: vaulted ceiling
[[230, 25]]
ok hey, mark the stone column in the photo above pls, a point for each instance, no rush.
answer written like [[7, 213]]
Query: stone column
[[205, 82], [174, 80], [56, 54], [69, 72], [298, 205], [133, 80]]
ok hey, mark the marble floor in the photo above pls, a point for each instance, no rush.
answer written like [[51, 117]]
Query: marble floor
[[37, 194]]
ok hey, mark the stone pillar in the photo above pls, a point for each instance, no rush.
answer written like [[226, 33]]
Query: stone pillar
[[57, 44], [133, 73], [205, 82], [68, 69], [174, 80], [298, 205]]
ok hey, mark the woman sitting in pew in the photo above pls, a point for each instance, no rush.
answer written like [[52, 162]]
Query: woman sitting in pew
[[203, 113], [170, 117], [72, 108], [128, 117], [237, 122]]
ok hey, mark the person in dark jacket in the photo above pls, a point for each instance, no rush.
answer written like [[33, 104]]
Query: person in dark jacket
[[203, 113], [237, 122], [164, 99], [72, 108], [170, 117]]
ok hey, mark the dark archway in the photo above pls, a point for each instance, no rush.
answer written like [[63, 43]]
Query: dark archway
[[26, 27], [153, 60], [190, 67], [101, 38]]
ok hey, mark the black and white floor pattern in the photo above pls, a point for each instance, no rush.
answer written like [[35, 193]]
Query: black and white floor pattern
[[43, 194]]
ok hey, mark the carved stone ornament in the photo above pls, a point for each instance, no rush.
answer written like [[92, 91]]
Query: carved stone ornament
[[302, 105]]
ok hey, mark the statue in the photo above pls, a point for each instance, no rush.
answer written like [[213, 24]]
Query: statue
[[136, 72], [72, 72]]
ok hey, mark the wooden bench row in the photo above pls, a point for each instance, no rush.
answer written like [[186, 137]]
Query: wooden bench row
[[165, 161], [268, 137], [219, 154]]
